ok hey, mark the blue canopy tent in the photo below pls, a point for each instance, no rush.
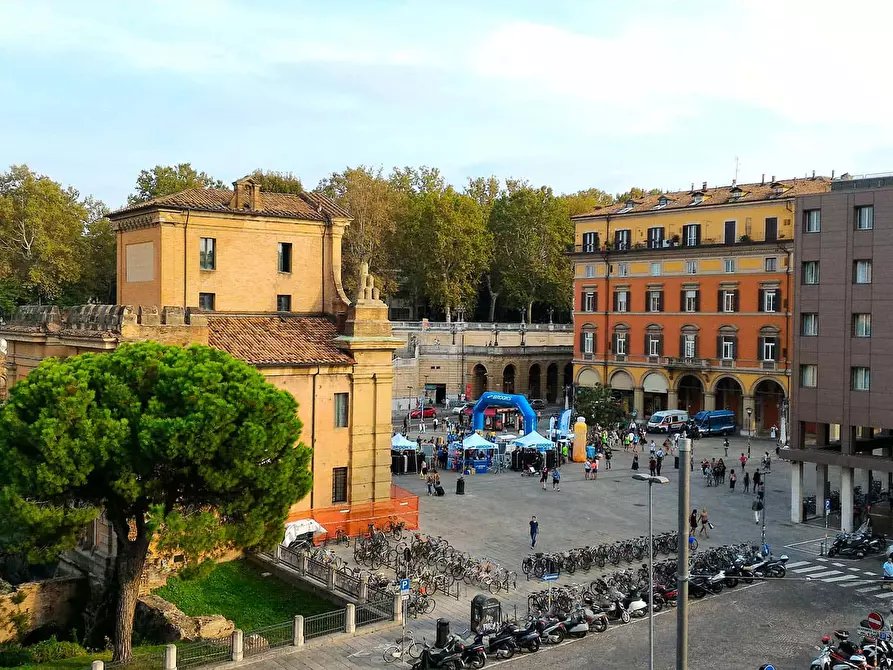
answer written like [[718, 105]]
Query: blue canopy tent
[[400, 443], [475, 441]]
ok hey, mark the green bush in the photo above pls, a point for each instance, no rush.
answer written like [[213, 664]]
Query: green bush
[[53, 650], [13, 655]]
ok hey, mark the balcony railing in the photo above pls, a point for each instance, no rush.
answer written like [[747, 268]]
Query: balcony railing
[[682, 363], [667, 245], [686, 362]]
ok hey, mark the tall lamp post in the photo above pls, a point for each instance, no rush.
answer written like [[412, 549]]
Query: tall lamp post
[[651, 481], [749, 428]]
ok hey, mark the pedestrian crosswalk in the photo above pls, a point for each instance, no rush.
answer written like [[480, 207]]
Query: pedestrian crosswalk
[[861, 581]]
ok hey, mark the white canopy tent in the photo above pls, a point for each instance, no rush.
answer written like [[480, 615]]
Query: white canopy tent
[[399, 443], [475, 441], [534, 440]]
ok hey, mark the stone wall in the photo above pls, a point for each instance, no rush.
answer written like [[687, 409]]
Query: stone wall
[[55, 601]]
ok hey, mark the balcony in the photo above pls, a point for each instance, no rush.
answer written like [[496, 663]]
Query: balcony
[[667, 246], [686, 363]]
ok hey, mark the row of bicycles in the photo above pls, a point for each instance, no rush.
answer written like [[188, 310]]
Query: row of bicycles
[[584, 558]]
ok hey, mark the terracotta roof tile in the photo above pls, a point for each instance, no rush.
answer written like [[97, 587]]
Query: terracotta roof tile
[[277, 340], [307, 206], [720, 195]]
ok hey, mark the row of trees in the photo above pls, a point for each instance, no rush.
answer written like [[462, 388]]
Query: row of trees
[[497, 243]]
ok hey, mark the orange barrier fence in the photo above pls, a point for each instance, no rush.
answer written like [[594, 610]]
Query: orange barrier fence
[[354, 520]]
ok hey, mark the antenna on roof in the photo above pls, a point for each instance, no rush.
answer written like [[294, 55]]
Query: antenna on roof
[[736, 170]]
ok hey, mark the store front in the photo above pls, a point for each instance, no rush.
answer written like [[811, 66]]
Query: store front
[[622, 389], [656, 389]]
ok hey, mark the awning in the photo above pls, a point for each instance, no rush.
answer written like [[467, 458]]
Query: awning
[[621, 381], [588, 377], [655, 383], [475, 441], [534, 439], [400, 442], [297, 528]]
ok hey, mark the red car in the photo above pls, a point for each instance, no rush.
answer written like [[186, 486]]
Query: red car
[[430, 413]]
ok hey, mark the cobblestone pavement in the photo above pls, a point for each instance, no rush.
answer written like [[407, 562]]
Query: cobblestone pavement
[[490, 522]]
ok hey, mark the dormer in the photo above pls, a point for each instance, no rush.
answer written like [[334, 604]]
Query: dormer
[[627, 207], [662, 202], [778, 188], [697, 197], [736, 193], [246, 195]]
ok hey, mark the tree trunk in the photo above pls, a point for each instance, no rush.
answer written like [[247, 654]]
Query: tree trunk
[[128, 568], [494, 295], [530, 312], [448, 313]]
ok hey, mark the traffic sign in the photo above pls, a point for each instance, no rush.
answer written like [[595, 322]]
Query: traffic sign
[[875, 620], [827, 506], [550, 578], [768, 667], [405, 587]]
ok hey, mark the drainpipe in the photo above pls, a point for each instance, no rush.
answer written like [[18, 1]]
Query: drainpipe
[[313, 435], [186, 257], [322, 266], [606, 301]]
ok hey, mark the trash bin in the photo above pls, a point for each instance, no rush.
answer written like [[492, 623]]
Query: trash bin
[[676, 462], [443, 633], [460, 486]]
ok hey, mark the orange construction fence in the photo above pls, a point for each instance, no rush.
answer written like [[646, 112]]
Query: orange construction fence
[[354, 520]]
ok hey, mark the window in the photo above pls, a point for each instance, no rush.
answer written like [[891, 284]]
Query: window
[[285, 257], [654, 345], [342, 406], [865, 217], [691, 267], [622, 239], [655, 269], [207, 255], [620, 344], [690, 303], [691, 234], [767, 349], [688, 346], [339, 485], [810, 272], [655, 301], [590, 302], [283, 303], [588, 341], [809, 325], [206, 302], [623, 269], [861, 325], [729, 265], [769, 300], [727, 348], [809, 376], [621, 300], [655, 237], [590, 271], [729, 301], [812, 221], [862, 272], [590, 242], [861, 379], [770, 264]]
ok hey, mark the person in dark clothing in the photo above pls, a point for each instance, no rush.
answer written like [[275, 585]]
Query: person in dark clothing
[[732, 479], [534, 531], [693, 522], [658, 462], [636, 462], [652, 465], [757, 478], [746, 482]]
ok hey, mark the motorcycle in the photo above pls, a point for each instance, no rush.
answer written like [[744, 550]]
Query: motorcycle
[[857, 544], [498, 642], [614, 609], [472, 653], [636, 604], [668, 594], [553, 630], [595, 618], [700, 586], [448, 658], [525, 638]]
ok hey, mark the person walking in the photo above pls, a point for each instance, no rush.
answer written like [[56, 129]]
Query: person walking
[[743, 460], [421, 425], [651, 448], [435, 423], [746, 482], [635, 465], [595, 468], [757, 478], [587, 469], [534, 531], [405, 424], [544, 475], [888, 570], [705, 522], [429, 480], [652, 465], [693, 522], [424, 469], [608, 454], [732, 479], [725, 445], [757, 507], [658, 461], [556, 479]]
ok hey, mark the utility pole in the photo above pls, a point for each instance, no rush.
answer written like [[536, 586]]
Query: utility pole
[[682, 574]]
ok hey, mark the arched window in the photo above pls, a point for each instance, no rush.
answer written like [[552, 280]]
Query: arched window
[[727, 345], [768, 347], [620, 341], [688, 342], [587, 341], [654, 340]]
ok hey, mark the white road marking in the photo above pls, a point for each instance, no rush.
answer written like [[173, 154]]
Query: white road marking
[[869, 572], [838, 565], [797, 564], [861, 582], [884, 596], [809, 569], [842, 578], [854, 569], [866, 590], [827, 573], [823, 560]]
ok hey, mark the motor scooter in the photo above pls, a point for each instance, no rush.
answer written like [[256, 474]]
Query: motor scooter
[[499, 642], [552, 630], [636, 604], [614, 608]]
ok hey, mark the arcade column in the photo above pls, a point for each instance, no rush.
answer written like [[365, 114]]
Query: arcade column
[[846, 499], [639, 401], [797, 491], [709, 401]]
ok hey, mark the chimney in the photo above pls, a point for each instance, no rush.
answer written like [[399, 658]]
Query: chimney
[[704, 187], [254, 197], [773, 179], [763, 180], [692, 187], [734, 183], [832, 174], [246, 195], [813, 174]]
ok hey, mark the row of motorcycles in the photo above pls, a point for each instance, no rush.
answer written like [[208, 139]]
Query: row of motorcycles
[[858, 544], [841, 653]]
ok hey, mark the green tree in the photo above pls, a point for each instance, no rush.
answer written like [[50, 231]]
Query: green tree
[[167, 179], [485, 191], [41, 224], [636, 192], [372, 202], [154, 436], [598, 406], [583, 202], [278, 182]]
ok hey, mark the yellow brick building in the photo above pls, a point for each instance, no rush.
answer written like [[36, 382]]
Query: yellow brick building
[[257, 275]]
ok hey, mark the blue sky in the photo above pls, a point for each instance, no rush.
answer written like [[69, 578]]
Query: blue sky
[[573, 94]]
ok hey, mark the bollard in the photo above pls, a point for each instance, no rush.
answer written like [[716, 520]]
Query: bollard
[[238, 645], [363, 595], [97, 665], [170, 657], [297, 636], [350, 618]]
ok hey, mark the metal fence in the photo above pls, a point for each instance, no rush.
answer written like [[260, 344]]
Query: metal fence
[[318, 569], [153, 661], [347, 583], [204, 653], [269, 637], [379, 606], [324, 624], [290, 558]]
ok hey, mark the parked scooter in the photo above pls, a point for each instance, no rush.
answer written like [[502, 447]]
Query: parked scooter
[[472, 653], [499, 642], [595, 617], [702, 585], [858, 544], [527, 638], [614, 608], [448, 657], [636, 603], [552, 630]]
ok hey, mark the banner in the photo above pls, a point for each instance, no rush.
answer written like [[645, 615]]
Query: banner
[[564, 423]]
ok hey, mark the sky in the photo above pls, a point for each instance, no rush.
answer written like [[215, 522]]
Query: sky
[[569, 93]]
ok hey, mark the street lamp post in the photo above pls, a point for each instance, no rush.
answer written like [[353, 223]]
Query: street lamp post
[[651, 481], [749, 428]]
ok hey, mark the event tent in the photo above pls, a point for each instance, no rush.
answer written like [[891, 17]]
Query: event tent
[[399, 443], [475, 441], [534, 440]]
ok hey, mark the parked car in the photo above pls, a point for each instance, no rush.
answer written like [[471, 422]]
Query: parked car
[[716, 422], [538, 403], [458, 409], [430, 413]]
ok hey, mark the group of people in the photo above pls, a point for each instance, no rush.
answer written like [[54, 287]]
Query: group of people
[[431, 477], [556, 477]]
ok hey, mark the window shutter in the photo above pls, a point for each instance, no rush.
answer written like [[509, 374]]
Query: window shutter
[[615, 301], [760, 341], [595, 301], [698, 233], [761, 299], [681, 301], [698, 301], [736, 301], [660, 301], [647, 350], [682, 346], [614, 343], [582, 343], [719, 346], [660, 345], [696, 347], [735, 348], [777, 293], [720, 307]]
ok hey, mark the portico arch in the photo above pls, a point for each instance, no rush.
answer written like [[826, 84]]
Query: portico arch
[[588, 377], [621, 384]]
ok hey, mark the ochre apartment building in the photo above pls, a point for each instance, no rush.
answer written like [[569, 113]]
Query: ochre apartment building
[[683, 300], [257, 275]]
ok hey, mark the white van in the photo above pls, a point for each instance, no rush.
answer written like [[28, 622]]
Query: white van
[[667, 421]]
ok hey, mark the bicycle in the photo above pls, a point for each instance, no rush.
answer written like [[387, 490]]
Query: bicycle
[[405, 645], [692, 543]]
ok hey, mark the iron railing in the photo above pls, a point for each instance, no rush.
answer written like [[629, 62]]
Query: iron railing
[[205, 652], [379, 606], [269, 637], [324, 624], [318, 569], [345, 582], [153, 661]]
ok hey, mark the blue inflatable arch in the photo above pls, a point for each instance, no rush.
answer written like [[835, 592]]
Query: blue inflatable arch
[[492, 399]]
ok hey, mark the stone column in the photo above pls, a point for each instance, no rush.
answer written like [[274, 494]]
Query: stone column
[[797, 491], [350, 618], [297, 636], [846, 500], [398, 609], [364, 589], [97, 665], [170, 657], [639, 401], [750, 422], [709, 401], [822, 486], [238, 646], [672, 399]]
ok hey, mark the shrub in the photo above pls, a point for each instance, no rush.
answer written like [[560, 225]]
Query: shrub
[[53, 650], [13, 655]]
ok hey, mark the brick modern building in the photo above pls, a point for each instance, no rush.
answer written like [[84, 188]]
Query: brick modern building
[[682, 300], [842, 395]]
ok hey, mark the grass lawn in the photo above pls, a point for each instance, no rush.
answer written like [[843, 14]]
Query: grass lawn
[[237, 591], [151, 654]]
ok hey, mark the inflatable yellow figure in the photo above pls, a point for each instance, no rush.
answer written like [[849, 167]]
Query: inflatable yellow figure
[[579, 440]]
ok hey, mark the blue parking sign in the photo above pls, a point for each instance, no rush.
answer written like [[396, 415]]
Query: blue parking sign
[[404, 587]]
